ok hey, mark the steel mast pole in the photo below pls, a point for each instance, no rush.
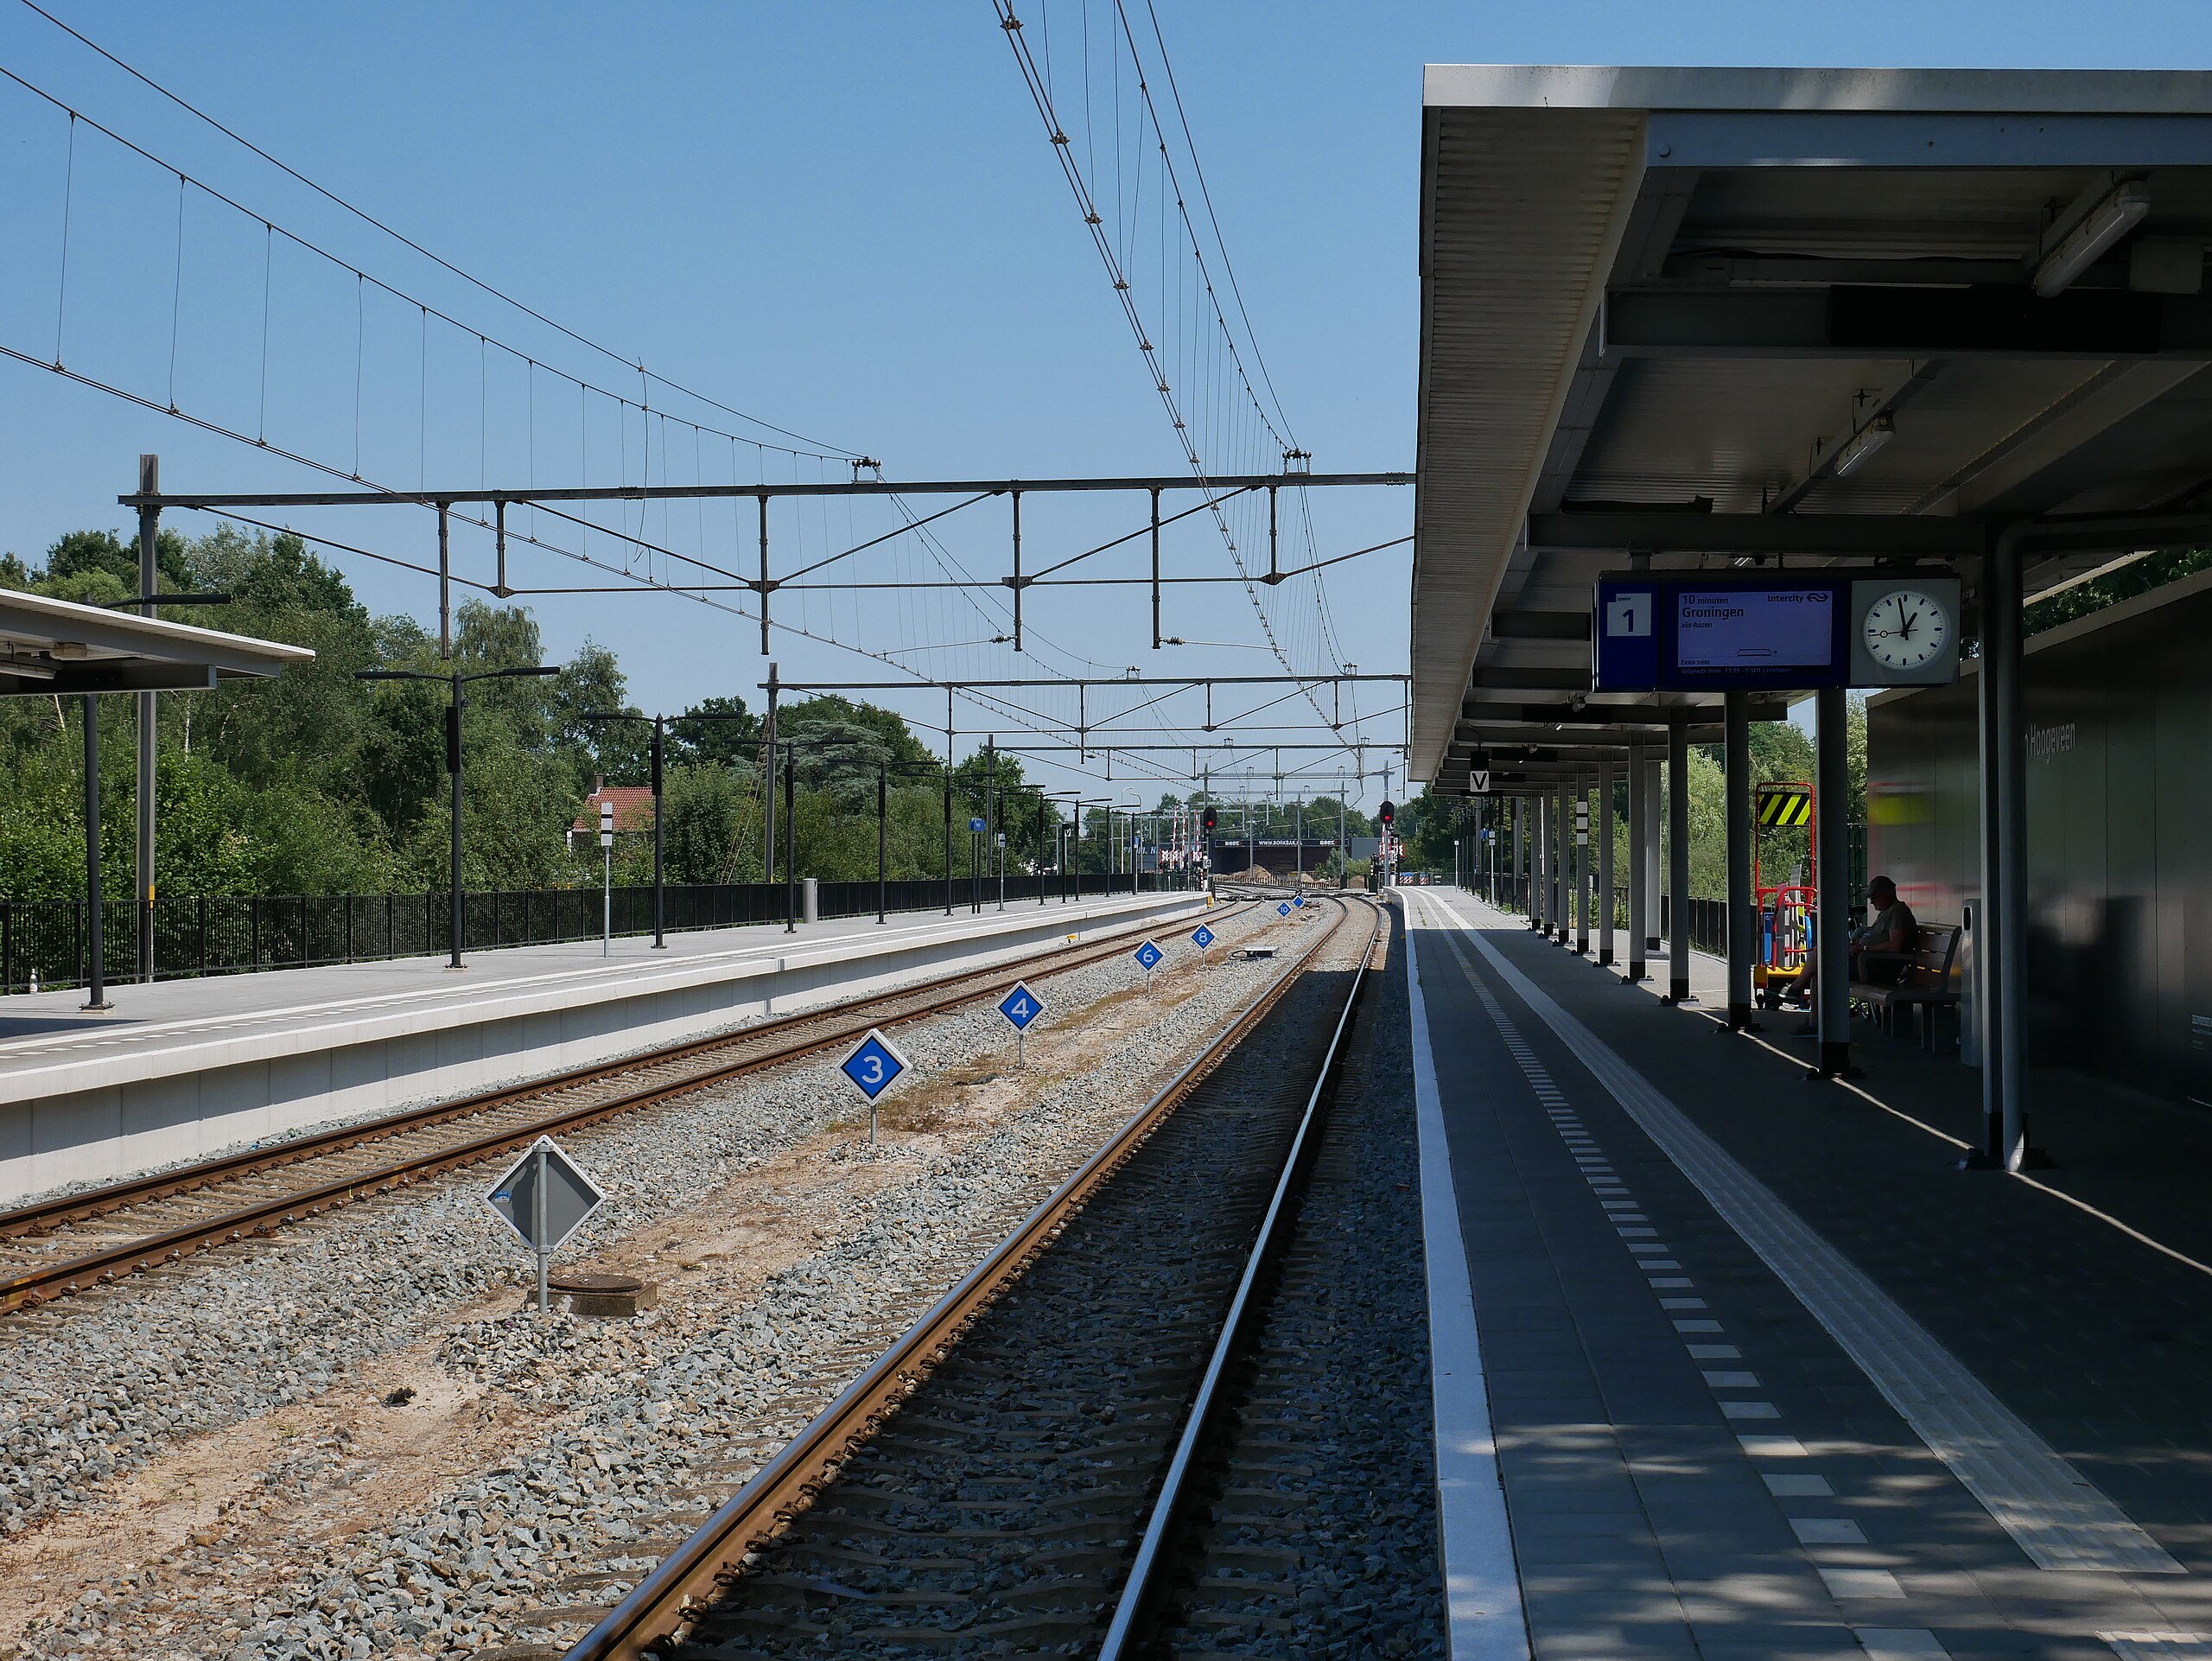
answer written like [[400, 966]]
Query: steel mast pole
[[96, 961], [453, 773], [149, 522], [768, 783], [660, 889]]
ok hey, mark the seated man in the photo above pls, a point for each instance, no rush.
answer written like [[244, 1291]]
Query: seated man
[[1889, 937]]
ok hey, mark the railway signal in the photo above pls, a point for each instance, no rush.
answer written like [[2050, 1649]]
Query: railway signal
[[544, 1197], [1021, 1006], [873, 1066], [1149, 955]]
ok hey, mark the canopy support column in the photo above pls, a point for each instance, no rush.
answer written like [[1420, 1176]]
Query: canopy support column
[[2001, 950], [1601, 828], [1639, 865], [1581, 829], [1832, 934], [1653, 796], [1539, 892], [1742, 920], [1563, 865], [1678, 863], [1520, 849]]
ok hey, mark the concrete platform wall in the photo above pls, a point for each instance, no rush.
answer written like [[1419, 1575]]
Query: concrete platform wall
[[185, 1094]]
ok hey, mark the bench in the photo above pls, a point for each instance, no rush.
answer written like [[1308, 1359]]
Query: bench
[[1923, 985]]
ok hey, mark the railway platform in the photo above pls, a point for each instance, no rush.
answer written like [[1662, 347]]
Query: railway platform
[[1732, 1363], [181, 1069]]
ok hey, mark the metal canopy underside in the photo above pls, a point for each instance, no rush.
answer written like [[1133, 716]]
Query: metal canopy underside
[[1657, 304], [58, 646]]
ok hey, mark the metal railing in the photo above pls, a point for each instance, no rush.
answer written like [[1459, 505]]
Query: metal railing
[[201, 934]]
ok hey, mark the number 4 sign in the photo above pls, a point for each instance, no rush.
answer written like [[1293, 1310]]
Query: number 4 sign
[[1021, 1006]]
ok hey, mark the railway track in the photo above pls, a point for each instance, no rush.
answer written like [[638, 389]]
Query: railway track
[[981, 1488], [62, 1247]]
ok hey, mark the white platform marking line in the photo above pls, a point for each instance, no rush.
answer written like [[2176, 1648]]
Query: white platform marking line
[[2144, 1647], [1483, 1614], [2056, 1514], [1900, 1643]]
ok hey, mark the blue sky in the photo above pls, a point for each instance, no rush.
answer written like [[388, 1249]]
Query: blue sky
[[843, 218]]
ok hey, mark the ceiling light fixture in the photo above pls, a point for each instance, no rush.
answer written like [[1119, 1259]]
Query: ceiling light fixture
[[2112, 218], [1863, 443]]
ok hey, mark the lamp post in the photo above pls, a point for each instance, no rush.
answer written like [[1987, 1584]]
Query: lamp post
[[453, 707], [1061, 837], [1025, 785], [791, 747], [660, 724]]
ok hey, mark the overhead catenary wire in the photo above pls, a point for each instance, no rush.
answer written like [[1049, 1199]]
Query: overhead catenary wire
[[639, 549], [78, 118], [1117, 263], [407, 242]]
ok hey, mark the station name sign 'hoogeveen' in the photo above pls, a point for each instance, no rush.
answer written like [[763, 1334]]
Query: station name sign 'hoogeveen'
[[1692, 633]]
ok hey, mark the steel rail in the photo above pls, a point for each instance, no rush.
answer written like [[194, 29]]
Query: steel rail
[[43, 1282], [1147, 1574], [686, 1581]]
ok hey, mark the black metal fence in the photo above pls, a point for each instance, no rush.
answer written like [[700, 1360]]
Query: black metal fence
[[45, 942], [1708, 918]]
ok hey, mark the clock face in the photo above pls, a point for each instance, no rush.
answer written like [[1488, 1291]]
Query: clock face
[[1906, 628]]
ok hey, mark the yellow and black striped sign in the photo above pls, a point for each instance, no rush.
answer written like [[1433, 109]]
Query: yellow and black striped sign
[[1784, 806]]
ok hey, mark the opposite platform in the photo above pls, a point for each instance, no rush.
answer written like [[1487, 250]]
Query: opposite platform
[[183, 1068]]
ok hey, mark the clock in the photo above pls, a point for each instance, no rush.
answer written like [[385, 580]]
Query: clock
[[1905, 629]]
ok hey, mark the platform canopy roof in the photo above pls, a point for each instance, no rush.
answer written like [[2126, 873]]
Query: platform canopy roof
[[59, 646], [1660, 307]]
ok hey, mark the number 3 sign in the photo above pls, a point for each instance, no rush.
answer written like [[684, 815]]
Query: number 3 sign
[[873, 1067]]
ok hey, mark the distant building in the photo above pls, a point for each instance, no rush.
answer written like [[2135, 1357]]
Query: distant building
[[1278, 856], [634, 811]]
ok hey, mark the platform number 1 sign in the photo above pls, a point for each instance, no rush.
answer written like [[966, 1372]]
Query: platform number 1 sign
[[872, 1067]]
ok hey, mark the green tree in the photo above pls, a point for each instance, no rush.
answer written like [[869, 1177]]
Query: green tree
[[730, 736]]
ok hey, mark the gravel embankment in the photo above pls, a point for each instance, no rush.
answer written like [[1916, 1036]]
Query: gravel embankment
[[620, 1411]]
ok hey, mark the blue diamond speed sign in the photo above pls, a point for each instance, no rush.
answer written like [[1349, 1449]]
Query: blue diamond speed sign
[[1298, 899], [873, 1064], [1283, 910], [1202, 937], [1021, 1006], [1149, 955]]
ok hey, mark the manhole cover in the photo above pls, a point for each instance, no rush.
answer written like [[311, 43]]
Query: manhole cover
[[599, 1285]]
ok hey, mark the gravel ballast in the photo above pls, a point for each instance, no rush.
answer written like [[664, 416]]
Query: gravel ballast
[[625, 1417]]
